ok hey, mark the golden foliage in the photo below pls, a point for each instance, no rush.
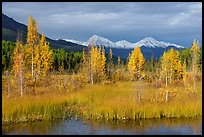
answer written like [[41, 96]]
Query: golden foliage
[[18, 57], [171, 65], [32, 42], [136, 63], [43, 57], [97, 61]]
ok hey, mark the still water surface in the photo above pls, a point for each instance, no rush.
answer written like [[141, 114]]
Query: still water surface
[[79, 127]]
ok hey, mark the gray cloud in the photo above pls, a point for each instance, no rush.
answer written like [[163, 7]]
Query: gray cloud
[[178, 22]]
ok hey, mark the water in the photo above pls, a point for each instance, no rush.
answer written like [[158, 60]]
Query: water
[[80, 127]]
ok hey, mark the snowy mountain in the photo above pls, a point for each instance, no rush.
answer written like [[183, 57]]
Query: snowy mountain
[[151, 42], [146, 42], [98, 40]]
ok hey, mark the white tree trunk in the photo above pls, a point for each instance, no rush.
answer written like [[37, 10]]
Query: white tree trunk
[[194, 83], [32, 67], [9, 83], [92, 77], [166, 90], [21, 82]]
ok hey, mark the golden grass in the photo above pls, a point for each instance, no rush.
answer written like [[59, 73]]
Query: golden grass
[[116, 101], [119, 102]]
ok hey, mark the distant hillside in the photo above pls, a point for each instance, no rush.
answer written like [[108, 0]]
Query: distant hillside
[[10, 28]]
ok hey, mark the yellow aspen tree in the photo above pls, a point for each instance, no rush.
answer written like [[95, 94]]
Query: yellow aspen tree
[[119, 61], [96, 59], [118, 71], [45, 57], [83, 58], [103, 64], [178, 69], [98, 62], [184, 73], [32, 42], [141, 63], [84, 67], [110, 56], [166, 69], [136, 64], [135, 67], [110, 64], [92, 65], [171, 56], [194, 53], [127, 60], [174, 64], [18, 63], [132, 67]]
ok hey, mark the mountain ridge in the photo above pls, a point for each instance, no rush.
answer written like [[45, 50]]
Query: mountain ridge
[[147, 42]]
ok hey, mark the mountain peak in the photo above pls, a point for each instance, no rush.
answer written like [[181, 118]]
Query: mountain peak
[[149, 40], [98, 40], [94, 36]]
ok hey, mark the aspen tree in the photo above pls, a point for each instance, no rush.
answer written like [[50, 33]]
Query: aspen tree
[[194, 50], [84, 67], [97, 64], [92, 63], [184, 72], [43, 57], [103, 64], [171, 56], [32, 42], [136, 64], [119, 61], [110, 64], [166, 68], [18, 64], [83, 58]]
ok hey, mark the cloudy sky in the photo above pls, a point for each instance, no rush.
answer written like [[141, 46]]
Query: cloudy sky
[[176, 22]]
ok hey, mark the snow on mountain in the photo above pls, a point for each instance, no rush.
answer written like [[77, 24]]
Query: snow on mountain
[[147, 42], [98, 40], [124, 44], [77, 42], [151, 42]]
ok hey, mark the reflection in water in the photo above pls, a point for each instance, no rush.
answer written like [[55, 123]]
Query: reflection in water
[[153, 126]]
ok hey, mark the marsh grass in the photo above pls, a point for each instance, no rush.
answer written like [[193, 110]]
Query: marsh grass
[[118, 102], [115, 101]]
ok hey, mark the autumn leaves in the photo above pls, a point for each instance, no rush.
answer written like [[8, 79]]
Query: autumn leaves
[[135, 64]]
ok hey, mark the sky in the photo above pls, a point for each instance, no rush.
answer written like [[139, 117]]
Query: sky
[[174, 22]]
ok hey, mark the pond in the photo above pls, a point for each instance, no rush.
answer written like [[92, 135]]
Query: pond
[[80, 127]]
